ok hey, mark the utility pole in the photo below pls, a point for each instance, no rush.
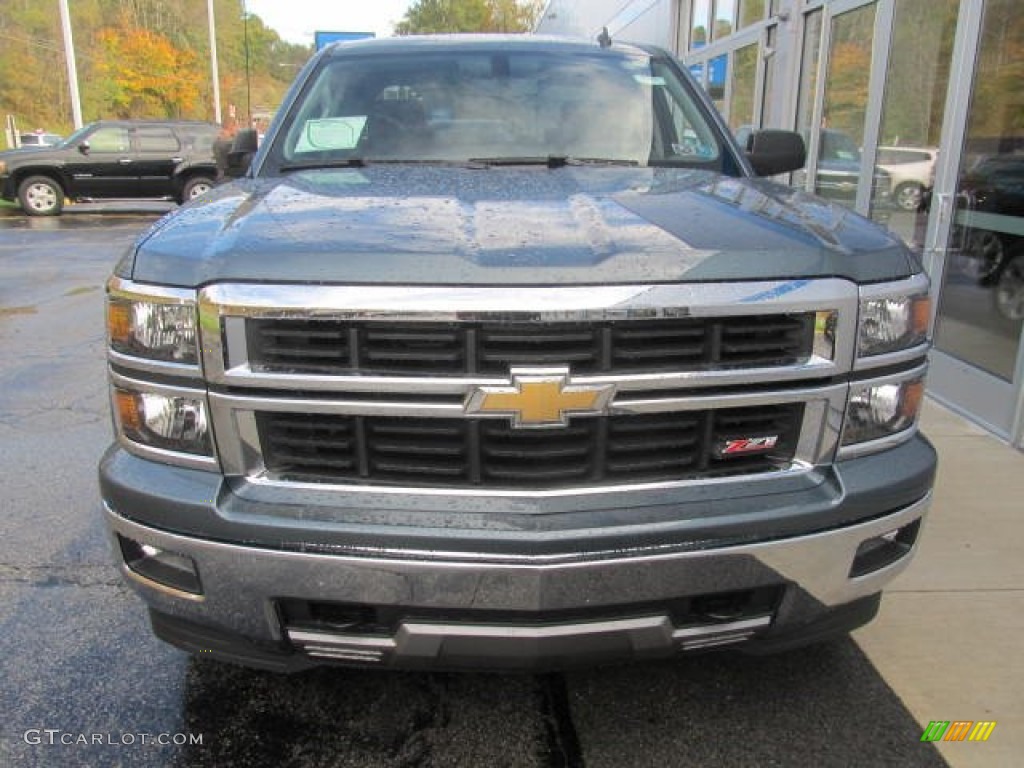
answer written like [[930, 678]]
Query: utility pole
[[248, 85], [213, 63], [69, 57]]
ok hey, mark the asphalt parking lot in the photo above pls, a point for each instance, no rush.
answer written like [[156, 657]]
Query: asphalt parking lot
[[84, 682]]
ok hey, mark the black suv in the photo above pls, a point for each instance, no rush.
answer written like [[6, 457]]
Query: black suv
[[112, 159]]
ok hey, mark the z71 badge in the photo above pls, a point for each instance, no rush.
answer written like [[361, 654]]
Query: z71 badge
[[746, 445]]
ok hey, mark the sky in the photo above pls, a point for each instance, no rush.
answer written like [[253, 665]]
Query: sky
[[296, 20]]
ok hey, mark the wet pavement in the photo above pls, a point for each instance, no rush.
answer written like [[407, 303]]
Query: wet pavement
[[84, 683], [86, 215]]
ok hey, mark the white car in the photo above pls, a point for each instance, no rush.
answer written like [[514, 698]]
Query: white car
[[912, 170], [40, 139]]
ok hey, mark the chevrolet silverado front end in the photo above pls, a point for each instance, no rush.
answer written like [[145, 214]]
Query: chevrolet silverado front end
[[406, 397]]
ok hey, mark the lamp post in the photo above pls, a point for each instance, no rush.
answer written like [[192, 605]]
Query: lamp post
[[248, 86], [213, 62], [69, 57]]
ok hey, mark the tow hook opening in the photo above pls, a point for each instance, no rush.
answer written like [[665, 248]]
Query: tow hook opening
[[879, 551], [727, 606]]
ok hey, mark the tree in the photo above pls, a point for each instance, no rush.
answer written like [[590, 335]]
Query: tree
[[148, 74], [445, 16], [139, 59]]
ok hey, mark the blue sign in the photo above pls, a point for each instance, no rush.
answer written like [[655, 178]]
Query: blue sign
[[323, 39], [716, 71]]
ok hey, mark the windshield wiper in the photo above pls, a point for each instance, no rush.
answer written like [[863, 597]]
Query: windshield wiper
[[349, 162], [552, 161], [362, 162]]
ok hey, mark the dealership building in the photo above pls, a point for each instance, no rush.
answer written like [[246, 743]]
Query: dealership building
[[913, 114]]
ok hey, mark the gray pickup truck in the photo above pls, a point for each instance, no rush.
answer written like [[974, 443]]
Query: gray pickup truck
[[500, 354]]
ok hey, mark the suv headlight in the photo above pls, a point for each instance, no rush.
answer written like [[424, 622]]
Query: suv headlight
[[893, 323], [158, 327]]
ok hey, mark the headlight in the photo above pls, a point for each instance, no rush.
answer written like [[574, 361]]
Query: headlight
[[893, 323], [159, 327], [163, 421], [882, 409], [3, 168]]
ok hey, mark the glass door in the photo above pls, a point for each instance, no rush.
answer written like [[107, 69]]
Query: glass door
[[978, 234], [833, 109], [913, 110]]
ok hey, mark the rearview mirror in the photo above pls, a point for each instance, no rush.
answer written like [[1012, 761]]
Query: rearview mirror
[[84, 147], [772, 151]]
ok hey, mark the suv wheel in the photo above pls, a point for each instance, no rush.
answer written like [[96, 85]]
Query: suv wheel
[[1009, 291], [40, 196], [908, 196], [196, 186]]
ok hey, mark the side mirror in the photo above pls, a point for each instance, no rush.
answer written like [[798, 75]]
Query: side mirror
[[84, 147], [242, 150], [772, 151]]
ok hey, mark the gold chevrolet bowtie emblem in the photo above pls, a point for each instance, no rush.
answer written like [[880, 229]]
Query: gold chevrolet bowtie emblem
[[540, 397]]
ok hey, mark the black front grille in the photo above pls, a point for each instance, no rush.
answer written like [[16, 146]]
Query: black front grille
[[336, 347], [485, 453]]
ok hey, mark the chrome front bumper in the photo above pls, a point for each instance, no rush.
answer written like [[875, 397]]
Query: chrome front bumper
[[242, 587]]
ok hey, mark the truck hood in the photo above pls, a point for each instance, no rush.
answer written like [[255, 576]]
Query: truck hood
[[511, 226]]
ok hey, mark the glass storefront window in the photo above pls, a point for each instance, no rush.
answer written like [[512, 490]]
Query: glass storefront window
[[768, 117], [717, 75], [912, 113], [725, 18], [809, 61], [744, 79], [700, 22], [751, 11], [981, 307]]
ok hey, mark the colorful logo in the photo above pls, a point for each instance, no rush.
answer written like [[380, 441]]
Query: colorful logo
[[746, 445], [958, 730]]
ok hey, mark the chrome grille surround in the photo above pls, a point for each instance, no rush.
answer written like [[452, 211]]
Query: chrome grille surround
[[469, 453], [339, 347], [239, 392]]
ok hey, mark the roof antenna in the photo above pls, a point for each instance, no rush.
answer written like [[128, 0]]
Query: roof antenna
[[604, 39]]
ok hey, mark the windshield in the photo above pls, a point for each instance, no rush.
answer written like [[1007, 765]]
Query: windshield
[[78, 135], [836, 145], [487, 106]]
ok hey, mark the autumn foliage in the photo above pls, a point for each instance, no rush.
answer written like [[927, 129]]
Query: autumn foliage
[[139, 59], [151, 58], [147, 74]]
